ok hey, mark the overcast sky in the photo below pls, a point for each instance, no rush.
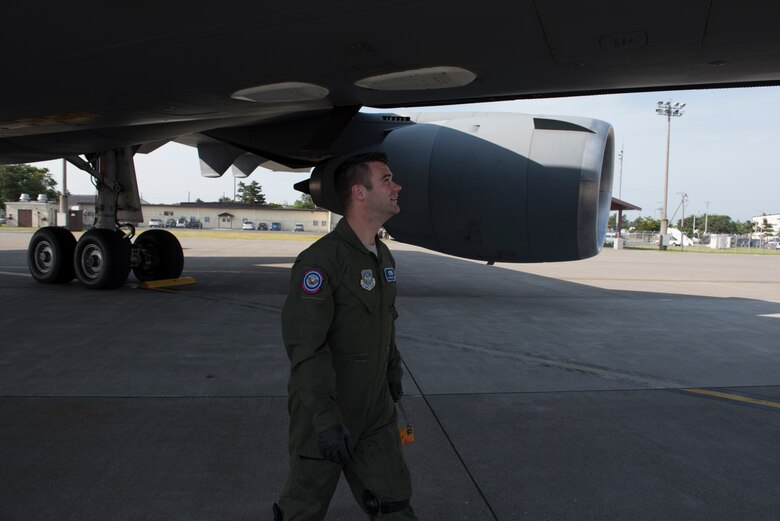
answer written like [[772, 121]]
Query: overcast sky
[[725, 149]]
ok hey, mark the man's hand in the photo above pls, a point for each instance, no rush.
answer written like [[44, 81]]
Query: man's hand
[[336, 444], [396, 390]]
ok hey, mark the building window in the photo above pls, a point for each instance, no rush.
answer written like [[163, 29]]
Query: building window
[[207, 219], [168, 213]]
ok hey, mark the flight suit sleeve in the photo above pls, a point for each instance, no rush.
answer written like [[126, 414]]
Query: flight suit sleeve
[[306, 319]]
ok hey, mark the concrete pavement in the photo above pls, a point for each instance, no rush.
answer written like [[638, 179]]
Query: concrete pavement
[[556, 391]]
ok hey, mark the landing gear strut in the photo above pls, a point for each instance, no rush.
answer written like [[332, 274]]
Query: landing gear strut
[[103, 256]]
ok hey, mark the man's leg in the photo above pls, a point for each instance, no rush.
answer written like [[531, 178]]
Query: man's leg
[[309, 489], [378, 476]]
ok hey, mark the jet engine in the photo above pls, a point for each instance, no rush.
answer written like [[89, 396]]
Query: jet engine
[[494, 187]]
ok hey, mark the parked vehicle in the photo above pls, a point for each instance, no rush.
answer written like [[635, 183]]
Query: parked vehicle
[[299, 228], [155, 223], [170, 223], [181, 223], [194, 222], [262, 226], [248, 225], [276, 227]]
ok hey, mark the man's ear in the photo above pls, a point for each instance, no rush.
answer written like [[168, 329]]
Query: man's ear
[[358, 192]]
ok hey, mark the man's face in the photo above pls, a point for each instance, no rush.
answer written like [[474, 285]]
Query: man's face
[[383, 195]]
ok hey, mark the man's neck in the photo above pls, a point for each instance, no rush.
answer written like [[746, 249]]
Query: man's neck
[[366, 231]]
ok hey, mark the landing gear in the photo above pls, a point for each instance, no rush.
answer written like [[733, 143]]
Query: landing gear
[[50, 255], [102, 259], [157, 255]]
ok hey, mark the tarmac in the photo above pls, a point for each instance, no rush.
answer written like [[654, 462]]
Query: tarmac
[[637, 385]]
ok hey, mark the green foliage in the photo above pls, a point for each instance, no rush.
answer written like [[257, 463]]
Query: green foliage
[[305, 201], [225, 199], [721, 224], [251, 193], [16, 180], [613, 220], [767, 228], [646, 224]]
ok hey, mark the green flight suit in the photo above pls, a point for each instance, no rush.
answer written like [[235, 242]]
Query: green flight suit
[[338, 325]]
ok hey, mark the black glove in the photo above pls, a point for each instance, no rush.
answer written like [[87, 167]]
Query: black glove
[[336, 444], [396, 390]]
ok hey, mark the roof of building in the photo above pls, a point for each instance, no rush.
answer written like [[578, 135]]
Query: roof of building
[[617, 204]]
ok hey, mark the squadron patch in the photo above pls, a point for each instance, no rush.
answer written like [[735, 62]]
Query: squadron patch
[[312, 281], [390, 274], [367, 280]]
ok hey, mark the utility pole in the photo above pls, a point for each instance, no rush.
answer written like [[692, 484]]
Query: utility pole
[[706, 216], [620, 184], [665, 108], [683, 197]]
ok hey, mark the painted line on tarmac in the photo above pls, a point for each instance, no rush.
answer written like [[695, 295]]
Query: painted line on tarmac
[[653, 383], [733, 397], [15, 274], [685, 281]]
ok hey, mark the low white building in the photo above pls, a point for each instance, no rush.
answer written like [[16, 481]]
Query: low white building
[[212, 216], [760, 226]]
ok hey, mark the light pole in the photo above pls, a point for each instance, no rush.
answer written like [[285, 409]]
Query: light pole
[[665, 108]]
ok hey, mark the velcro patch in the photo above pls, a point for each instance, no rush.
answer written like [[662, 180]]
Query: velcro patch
[[312, 281]]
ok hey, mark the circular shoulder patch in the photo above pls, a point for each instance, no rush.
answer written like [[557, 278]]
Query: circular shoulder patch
[[312, 281]]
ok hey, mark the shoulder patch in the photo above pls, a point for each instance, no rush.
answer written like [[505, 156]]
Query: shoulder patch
[[390, 274], [312, 281]]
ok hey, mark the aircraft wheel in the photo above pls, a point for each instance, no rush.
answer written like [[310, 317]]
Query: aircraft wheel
[[160, 256], [102, 259], [50, 255]]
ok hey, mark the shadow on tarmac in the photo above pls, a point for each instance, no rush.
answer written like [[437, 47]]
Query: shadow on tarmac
[[532, 397]]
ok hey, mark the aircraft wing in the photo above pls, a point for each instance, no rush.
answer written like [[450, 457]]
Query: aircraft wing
[[281, 84], [84, 76]]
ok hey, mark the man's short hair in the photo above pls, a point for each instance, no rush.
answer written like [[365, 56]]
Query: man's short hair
[[355, 171]]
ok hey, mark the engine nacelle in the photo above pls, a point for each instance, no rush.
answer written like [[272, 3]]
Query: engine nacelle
[[496, 187]]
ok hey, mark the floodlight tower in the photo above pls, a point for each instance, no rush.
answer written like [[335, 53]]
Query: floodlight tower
[[665, 108]]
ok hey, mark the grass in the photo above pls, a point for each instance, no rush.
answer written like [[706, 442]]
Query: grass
[[702, 248]]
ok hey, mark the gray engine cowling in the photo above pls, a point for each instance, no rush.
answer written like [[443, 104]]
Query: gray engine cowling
[[496, 187]]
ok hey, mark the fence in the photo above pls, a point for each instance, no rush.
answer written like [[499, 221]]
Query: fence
[[736, 243]]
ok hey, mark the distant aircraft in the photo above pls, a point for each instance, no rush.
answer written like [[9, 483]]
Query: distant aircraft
[[280, 85]]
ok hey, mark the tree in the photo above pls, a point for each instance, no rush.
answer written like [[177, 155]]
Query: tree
[[647, 224], [305, 201], [767, 228], [721, 224], [611, 224], [16, 180], [251, 193], [225, 199]]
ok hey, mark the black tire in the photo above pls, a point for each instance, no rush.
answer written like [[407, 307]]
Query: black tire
[[50, 255], [160, 255], [102, 259]]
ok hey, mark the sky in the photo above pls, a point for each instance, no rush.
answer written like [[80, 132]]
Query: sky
[[724, 154]]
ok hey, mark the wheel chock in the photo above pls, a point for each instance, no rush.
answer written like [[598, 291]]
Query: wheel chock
[[166, 283]]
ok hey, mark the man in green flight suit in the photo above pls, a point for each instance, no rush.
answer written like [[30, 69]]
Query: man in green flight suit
[[338, 325]]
